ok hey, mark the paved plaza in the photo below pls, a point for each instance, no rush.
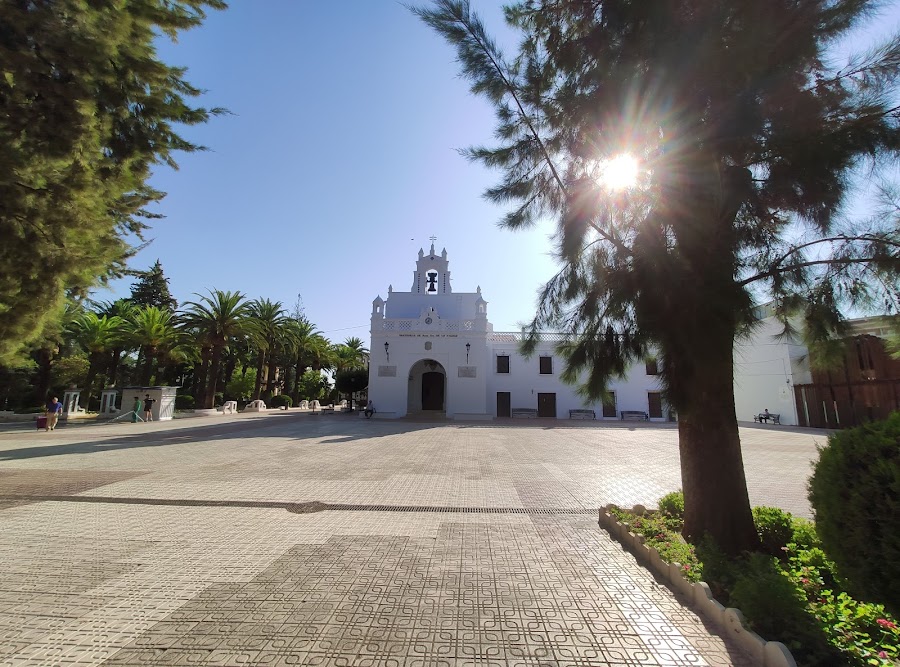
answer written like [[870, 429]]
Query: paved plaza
[[289, 539]]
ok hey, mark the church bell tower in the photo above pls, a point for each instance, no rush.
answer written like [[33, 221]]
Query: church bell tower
[[432, 275]]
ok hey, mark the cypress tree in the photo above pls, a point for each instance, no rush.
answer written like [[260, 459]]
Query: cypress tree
[[86, 110], [152, 289]]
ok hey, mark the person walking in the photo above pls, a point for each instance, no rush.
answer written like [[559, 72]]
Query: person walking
[[148, 408], [54, 410], [370, 410], [135, 411]]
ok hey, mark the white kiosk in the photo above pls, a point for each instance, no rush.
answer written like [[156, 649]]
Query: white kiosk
[[163, 401]]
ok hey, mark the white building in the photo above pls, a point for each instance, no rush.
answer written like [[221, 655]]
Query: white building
[[434, 350]]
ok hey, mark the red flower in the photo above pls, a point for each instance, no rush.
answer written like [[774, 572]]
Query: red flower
[[883, 622]]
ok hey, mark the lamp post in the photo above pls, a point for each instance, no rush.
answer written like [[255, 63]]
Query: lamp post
[[468, 347], [386, 352]]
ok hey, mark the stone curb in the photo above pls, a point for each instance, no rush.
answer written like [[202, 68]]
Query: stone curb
[[729, 622]]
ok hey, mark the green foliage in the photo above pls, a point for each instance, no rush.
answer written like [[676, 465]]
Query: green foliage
[[672, 504], [803, 534], [742, 167], [240, 387], [777, 609], [86, 110], [662, 532], [854, 491], [775, 528], [184, 402], [313, 385], [351, 381], [70, 371], [280, 401], [152, 289]]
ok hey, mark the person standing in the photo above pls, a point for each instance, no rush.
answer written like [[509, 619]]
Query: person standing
[[148, 408], [135, 411], [54, 410]]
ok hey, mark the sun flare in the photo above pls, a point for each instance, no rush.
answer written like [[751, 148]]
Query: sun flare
[[619, 173]]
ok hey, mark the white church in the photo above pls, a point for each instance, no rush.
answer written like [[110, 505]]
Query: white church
[[434, 351]]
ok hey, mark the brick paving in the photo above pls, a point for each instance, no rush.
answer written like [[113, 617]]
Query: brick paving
[[180, 550]]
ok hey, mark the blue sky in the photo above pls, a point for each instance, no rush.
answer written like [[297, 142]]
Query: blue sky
[[338, 162]]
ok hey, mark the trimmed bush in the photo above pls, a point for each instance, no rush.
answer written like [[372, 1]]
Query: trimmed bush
[[672, 504], [184, 402], [775, 528], [855, 491], [280, 401]]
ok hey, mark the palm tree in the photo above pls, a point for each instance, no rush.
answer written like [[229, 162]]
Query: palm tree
[[359, 348], [123, 309], [214, 320], [97, 336], [267, 320], [153, 329]]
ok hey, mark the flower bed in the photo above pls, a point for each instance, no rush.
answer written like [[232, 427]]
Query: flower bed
[[795, 599]]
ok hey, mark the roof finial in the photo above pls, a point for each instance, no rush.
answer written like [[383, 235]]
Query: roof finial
[[432, 238]]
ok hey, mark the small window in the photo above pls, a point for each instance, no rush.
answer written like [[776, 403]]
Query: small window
[[546, 365], [503, 363], [609, 405], [652, 367]]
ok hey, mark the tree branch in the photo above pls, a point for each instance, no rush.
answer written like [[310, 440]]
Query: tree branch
[[511, 90], [793, 267]]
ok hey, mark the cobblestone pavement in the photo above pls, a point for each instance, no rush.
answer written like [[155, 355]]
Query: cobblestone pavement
[[292, 539]]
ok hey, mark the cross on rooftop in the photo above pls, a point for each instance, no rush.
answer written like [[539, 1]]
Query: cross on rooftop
[[432, 238]]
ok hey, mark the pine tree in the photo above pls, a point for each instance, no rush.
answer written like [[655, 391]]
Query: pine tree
[[86, 110], [152, 289], [742, 140]]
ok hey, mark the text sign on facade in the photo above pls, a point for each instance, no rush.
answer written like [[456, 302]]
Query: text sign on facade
[[387, 371], [467, 371]]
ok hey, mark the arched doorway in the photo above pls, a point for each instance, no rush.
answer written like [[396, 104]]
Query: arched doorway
[[427, 387]]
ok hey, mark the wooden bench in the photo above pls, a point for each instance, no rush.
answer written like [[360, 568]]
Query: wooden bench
[[762, 417], [582, 414], [526, 413], [634, 415]]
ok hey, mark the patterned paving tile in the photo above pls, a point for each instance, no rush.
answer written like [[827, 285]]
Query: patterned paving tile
[[127, 583]]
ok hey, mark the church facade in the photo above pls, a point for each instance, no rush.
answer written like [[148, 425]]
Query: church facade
[[434, 351]]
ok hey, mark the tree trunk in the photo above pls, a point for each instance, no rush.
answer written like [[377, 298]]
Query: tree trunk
[[147, 375], [260, 366], [298, 373], [716, 501], [271, 376], [114, 366], [215, 363], [200, 379], [45, 364], [85, 398]]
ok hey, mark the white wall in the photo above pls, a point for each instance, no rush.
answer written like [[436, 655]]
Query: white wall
[[524, 382], [766, 368]]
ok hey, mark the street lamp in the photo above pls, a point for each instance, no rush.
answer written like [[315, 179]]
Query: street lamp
[[468, 347], [386, 348]]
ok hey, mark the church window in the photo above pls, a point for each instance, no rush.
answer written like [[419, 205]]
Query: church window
[[503, 363], [652, 367], [546, 364]]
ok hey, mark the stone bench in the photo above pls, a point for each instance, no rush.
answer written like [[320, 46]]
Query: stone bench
[[525, 413], [229, 408], [255, 406], [634, 415], [582, 414]]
